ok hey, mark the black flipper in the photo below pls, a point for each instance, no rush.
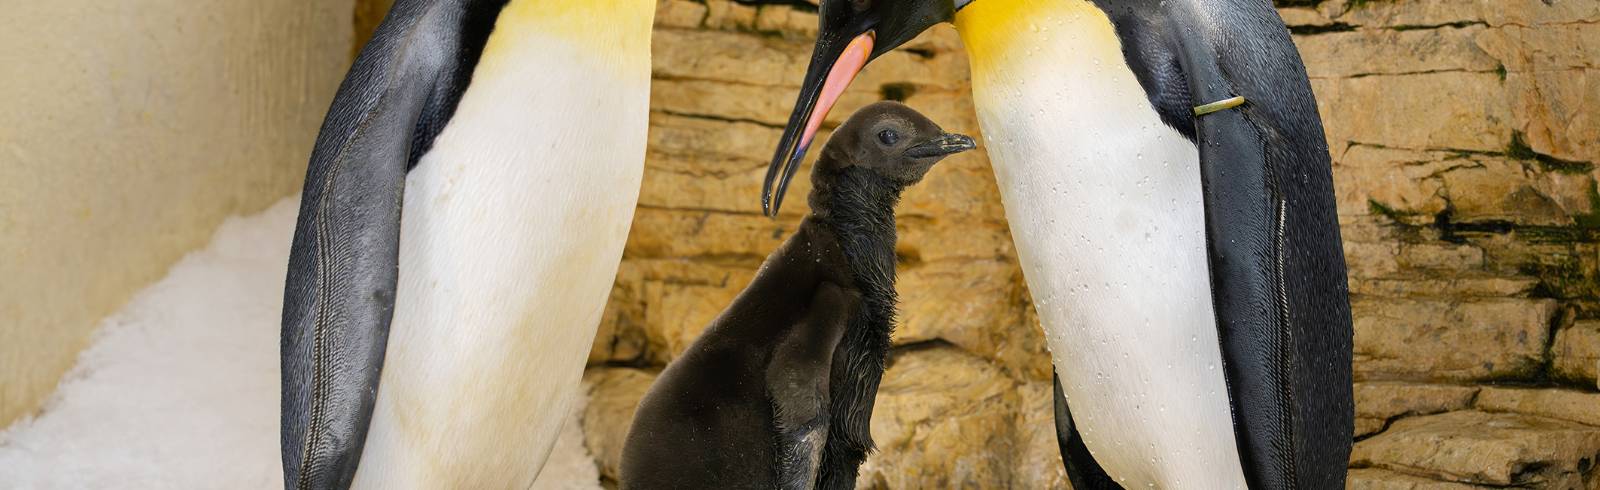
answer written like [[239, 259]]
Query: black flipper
[[339, 295], [1277, 266], [1082, 470], [797, 383]]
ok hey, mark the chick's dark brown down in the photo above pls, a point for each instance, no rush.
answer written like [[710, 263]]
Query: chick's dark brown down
[[778, 391]]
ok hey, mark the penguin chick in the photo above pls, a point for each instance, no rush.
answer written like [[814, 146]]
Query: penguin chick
[[778, 390]]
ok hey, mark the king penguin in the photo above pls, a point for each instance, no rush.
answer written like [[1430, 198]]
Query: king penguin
[[509, 137], [1168, 187], [779, 389]]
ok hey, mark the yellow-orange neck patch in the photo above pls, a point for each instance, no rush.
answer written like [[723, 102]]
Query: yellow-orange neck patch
[[612, 28], [999, 32]]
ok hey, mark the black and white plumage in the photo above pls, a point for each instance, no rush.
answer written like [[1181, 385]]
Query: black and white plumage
[[462, 221], [1187, 270]]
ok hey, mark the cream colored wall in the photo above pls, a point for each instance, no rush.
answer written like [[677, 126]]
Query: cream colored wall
[[128, 131]]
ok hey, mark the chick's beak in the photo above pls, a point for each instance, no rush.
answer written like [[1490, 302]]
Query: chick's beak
[[945, 145]]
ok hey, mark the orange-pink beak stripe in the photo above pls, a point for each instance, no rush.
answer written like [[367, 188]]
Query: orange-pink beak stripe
[[844, 71]]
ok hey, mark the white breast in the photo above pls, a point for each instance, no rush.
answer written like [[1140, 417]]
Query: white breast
[[1104, 203], [513, 227]]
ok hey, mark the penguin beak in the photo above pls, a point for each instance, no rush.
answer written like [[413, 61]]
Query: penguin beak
[[852, 32], [945, 145], [833, 66]]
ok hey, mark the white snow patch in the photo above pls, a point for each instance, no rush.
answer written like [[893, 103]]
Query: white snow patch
[[179, 389]]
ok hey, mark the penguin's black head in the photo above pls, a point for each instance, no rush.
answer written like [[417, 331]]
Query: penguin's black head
[[891, 140], [852, 33]]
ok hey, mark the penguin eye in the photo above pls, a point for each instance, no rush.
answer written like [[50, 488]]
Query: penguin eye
[[889, 137]]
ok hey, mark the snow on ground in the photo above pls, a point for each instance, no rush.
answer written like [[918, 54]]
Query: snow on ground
[[180, 388]]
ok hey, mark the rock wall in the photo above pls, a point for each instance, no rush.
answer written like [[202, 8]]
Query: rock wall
[[1464, 135]]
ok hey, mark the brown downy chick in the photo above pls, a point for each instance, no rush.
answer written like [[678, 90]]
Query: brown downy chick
[[778, 391]]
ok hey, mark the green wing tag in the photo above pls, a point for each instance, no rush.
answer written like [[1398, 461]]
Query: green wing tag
[[1221, 105]]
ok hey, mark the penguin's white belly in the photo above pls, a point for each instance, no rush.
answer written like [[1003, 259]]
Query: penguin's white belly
[[1104, 203], [1110, 233], [513, 227]]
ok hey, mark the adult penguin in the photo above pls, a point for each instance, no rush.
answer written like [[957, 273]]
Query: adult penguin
[[1168, 188], [510, 136]]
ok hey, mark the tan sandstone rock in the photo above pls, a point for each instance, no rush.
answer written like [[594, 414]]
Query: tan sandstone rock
[[680, 13], [659, 306], [1550, 56], [1458, 110], [1539, 12], [989, 295], [728, 57], [1376, 479], [944, 419], [956, 192], [1576, 406], [1546, 47], [1519, 191], [614, 394], [1413, 186], [621, 337], [1424, 339], [1405, 182], [704, 143], [1366, 426], [1409, 51], [975, 305], [1456, 285], [765, 104], [1369, 229], [1551, 108], [677, 314], [1440, 257], [750, 58], [1303, 16], [726, 15], [924, 239], [1484, 448], [1367, 259], [1390, 399], [1039, 464], [1433, 13], [1379, 402], [1577, 351], [1399, 13], [787, 20], [668, 233]]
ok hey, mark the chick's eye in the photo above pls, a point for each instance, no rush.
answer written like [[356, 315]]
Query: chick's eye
[[888, 137]]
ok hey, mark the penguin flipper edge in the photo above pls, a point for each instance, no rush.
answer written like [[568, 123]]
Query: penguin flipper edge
[[797, 380], [343, 265], [1277, 267]]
